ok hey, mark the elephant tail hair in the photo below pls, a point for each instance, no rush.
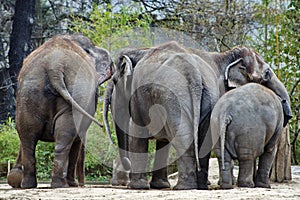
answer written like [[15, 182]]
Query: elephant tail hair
[[225, 121]]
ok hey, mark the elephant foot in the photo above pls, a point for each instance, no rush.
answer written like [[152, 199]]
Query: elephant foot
[[14, 177], [121, 178], [115, 182], [139, 184], [246, 184], [29, 182], [160, 184], [81, 184], [226, 186], [262, 185], [72, 183], [185, 186], [59, 183], [202, 180], [262, 179]]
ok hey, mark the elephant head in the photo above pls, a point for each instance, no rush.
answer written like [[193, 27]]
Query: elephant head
[[247, 66], [103, 62]]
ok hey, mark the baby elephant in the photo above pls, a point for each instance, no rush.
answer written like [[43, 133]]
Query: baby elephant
[[249, 120]]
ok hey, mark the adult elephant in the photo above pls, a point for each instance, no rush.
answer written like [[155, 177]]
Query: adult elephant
[[56, 101], [250, 121], [167, 93]]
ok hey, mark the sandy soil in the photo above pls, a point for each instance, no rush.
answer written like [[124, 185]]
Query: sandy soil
[[289, 190]]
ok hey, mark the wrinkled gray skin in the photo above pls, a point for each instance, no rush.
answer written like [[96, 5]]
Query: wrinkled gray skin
[[250, 120], [181, 86], [56, 101]]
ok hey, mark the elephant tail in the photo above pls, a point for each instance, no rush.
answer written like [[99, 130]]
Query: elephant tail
[[57, 81], [224, 122]]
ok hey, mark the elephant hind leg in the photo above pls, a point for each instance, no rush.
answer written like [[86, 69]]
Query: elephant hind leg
[[15, 175], [264, 167], [160, 174], [139, 159], [246, 170], [73, 159], [80, 167], [29, 163], [187, 173]]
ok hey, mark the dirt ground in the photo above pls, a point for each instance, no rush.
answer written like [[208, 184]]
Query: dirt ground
[[289, 190]]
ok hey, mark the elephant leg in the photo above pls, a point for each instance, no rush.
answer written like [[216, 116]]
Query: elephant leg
[[80, 167], [226, 176], [15, 175], [264, 167], [202, 175], [160, 174], [29, 163], [73, 158], [64, 138], [246, 171], [60, 163], [139, 157], [187, 176]]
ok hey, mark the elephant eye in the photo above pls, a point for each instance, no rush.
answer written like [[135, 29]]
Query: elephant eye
[[267, 75]]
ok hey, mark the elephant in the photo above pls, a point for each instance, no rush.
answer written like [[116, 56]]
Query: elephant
[[250, 120], [55, 102], [167, 93]]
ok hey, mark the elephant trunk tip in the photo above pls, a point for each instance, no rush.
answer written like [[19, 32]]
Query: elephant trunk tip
[[126, 163]]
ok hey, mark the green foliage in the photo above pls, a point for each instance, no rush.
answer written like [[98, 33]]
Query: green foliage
[[44, 158], [114, 30], [9, 142]]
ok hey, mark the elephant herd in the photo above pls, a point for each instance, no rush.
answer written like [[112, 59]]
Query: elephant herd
[[192, 100]]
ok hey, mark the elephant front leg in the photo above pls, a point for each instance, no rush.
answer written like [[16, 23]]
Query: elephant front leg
[[160, 174], [139, 158], [264, 167]]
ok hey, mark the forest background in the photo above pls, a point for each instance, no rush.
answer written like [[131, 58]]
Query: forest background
[[271, 27]]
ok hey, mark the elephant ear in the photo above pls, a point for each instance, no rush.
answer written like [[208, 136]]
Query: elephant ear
[[235, 74], [126, 66]]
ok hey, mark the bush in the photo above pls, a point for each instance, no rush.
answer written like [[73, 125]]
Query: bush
[[9, 143]]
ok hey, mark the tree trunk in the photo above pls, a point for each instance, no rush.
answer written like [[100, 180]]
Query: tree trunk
[[281, 170], [7, 101], [20, 45]]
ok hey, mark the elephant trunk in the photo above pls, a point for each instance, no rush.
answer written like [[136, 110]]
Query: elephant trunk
[[121, 135], [107, 101], [276, 85]]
